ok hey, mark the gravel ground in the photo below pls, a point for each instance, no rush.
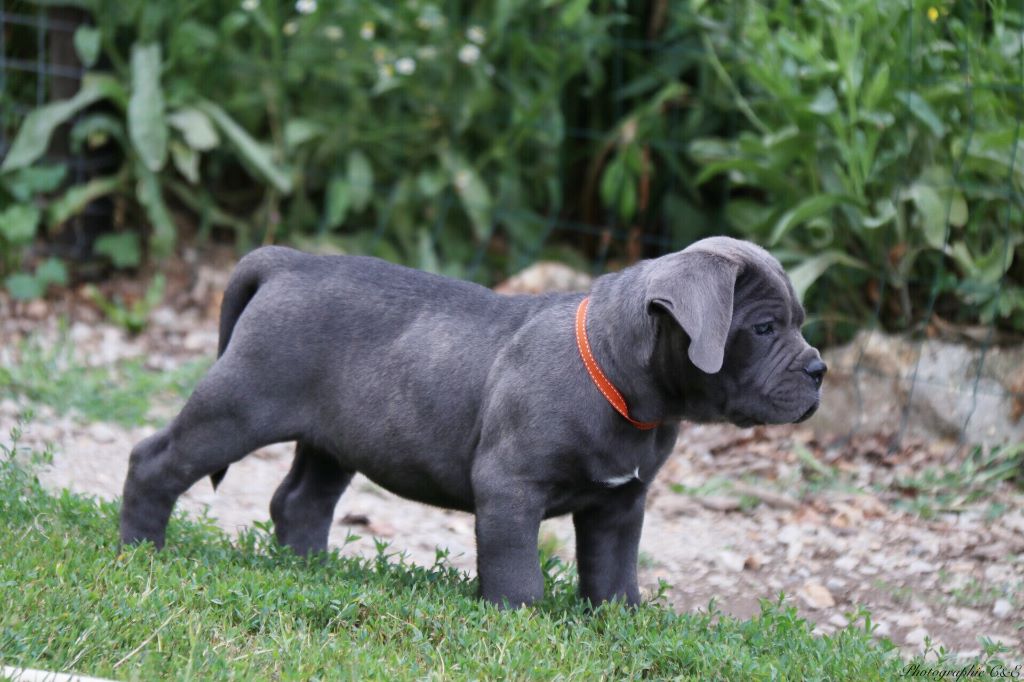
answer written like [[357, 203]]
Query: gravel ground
[[736, 515]]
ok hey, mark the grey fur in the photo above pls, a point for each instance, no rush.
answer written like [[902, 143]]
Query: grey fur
[[445, 392]]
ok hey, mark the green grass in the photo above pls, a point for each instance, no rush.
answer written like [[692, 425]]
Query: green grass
[[123, 393], [212, 608]]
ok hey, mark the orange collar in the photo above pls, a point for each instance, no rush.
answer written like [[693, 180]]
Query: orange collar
[[606, 387]]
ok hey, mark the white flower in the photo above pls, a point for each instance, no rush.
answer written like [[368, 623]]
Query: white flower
[[290, 28], [250, 5], [405, 66], [334, 33], [385, 72], [305, 6], [469, 53], [368, 30], [462, 180], [476, 34]]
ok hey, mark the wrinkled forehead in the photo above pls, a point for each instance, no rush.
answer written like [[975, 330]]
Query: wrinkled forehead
[[765, 287], [762, 283]]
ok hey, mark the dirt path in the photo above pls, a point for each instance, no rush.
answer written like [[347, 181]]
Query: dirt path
[[736, 515]]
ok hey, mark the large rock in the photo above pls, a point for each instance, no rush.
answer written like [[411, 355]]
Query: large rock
[[925, 388]]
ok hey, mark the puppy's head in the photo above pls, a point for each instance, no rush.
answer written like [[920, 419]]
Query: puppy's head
[[729, 341]]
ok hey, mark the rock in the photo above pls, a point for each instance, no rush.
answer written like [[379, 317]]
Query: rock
[[917, 566], [916, 636], [882, 628], [835, 584], [102, 433], [721, 503], [36, 309], [956, 384], [545, 276], [847, 563], [838, 619], [731, 561], [1002, 608], [816, 596], [908, 620]]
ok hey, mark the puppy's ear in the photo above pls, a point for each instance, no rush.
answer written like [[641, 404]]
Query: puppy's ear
[[696, 289]]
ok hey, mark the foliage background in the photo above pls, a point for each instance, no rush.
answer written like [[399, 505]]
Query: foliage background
[[872, 146]]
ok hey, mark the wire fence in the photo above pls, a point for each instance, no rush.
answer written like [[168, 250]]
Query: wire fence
[[920, 384]]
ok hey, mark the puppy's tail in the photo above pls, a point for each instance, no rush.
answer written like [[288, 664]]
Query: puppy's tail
[[250, 273]]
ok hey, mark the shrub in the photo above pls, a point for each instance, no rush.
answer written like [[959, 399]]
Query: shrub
[[879, 151]]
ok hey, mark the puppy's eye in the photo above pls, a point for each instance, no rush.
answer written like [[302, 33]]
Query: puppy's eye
[[764, 329]]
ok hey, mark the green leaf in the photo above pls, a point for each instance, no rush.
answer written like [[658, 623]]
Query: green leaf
[[298, 131], [24, 183], [338, 199], [886, 214], [255, 154], [824, 102], [149, 195], [123, 249], [472, 192], [922, 111], [808, 208], [147, 125], [87, 45], [573, 12], [196, 128], [23, 286], [52, 271], [933, 214], [360, 180], [425, 249], [186, 160], [810, 270], [79, 196], [34, 135], [876, 88], [18, 223]]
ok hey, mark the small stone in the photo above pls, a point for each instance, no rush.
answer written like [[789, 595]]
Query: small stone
[[731, 561], [847, 563], [36, 309], [102, 433], [916, 636], [838, 619], [908, 620], [721, 503], [1002, 608], [918, 566], [352, 519], [835, 584], [816, 596], [882, 628], [754, 562]]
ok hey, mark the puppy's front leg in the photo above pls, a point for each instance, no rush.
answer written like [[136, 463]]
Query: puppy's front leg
[[607, 543], [507, 522]]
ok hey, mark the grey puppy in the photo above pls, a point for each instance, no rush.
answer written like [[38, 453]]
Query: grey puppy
[[447, 393]]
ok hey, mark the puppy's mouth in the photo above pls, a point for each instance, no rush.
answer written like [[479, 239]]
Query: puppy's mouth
[[807, 415]]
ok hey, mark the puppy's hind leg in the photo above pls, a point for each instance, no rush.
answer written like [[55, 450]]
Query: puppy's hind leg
[[303, 505], [219, 425]]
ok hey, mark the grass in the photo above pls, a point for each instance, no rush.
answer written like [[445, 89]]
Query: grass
[[952, 489], [212, 608], [123, 393]]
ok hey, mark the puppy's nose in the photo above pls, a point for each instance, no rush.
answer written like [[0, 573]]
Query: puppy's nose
[[816, 370]]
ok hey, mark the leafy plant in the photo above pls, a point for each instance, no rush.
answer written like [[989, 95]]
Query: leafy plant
[[398, 130], [869, 160], [132, 315]]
